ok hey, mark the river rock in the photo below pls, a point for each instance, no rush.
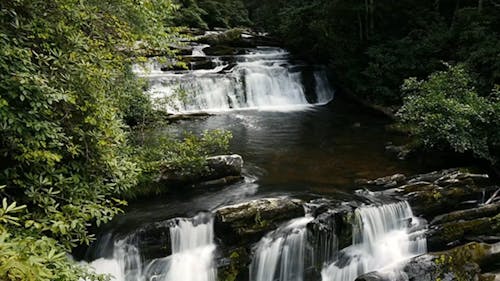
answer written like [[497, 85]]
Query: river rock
[[489, 210], [456, 232], [233, 38], [440, 192], [221, 50], [247, 222], [223, 169], [461, 263], [225, 165], [334, 224]]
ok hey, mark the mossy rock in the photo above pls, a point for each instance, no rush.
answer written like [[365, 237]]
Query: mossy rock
[[457, 232], [235, 266], [247, 222]]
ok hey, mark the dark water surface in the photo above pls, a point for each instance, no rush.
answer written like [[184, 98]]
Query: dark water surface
[[316, 151]]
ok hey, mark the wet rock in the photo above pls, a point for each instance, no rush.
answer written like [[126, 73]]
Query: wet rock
[[238, 37], [225, 165], [457, 232], [234, 264], [221, 50], [489, 210], [385, 182], [461, 263], [247, 222], [233, 37], [334, 224], [152, 240], [444, 191], [196, 63]]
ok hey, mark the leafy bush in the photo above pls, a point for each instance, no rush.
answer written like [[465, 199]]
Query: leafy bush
[[185, 157], [445, 111], [65, 81]]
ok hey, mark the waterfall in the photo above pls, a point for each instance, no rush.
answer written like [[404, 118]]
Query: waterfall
[[383, 236], [281, 255], [262, 79], [191, 259]]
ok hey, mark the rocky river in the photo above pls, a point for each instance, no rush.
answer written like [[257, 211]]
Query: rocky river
[[316, 197]]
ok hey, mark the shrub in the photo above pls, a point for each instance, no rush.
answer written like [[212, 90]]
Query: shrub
[[445, 111]]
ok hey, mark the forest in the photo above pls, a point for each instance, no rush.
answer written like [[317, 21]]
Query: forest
[[83, 136]]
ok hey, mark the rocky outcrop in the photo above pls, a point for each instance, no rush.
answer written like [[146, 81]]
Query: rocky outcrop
[[238, 37], [461, 263], [480, 224], [436, 193], [333, 222], [247, 222], [221, 170]]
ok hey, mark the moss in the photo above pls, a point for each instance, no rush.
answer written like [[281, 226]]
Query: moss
[[462, 261], [238, 260]]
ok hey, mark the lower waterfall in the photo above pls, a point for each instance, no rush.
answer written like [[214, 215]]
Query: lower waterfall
[[281, 255], [192, 242], [383, 236]]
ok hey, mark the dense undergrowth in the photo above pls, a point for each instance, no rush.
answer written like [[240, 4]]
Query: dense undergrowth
[[69, 106]]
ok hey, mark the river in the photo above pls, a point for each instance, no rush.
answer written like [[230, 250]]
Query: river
[[297, 140]]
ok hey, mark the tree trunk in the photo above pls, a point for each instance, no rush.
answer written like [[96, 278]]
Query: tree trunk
[[367, 19], [480, 6], [372, 16], [360, 22]]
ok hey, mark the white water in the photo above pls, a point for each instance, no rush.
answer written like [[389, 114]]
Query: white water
[[281, 255], [191, 259], [382, 238], [263, 79]]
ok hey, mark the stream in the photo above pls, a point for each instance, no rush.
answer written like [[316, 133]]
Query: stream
[[298, 141]]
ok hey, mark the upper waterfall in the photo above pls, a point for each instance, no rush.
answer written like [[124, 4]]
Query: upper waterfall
[[260, 78]]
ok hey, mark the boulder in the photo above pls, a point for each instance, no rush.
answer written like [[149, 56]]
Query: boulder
[[489, 210], [334, 224], [384, 182], [444, 191], [461, 263], [225, 165], [245, 223], [221, 50], [234, 264], [457, 232], [222, 170], [232, 37]]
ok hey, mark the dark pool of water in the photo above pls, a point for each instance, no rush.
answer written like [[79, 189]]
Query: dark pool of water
[[318, 151]]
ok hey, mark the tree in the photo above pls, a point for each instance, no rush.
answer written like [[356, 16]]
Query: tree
[[445, 111], [64, 84]]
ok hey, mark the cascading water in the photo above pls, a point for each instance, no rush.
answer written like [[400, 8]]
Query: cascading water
[[281, 255], [383, 236], [261, 79], [192, 242]]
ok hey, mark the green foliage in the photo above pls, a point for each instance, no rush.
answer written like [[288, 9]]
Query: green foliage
[[207, 14], [446, 111], [65, 88], [26, 256], [185, 157]]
